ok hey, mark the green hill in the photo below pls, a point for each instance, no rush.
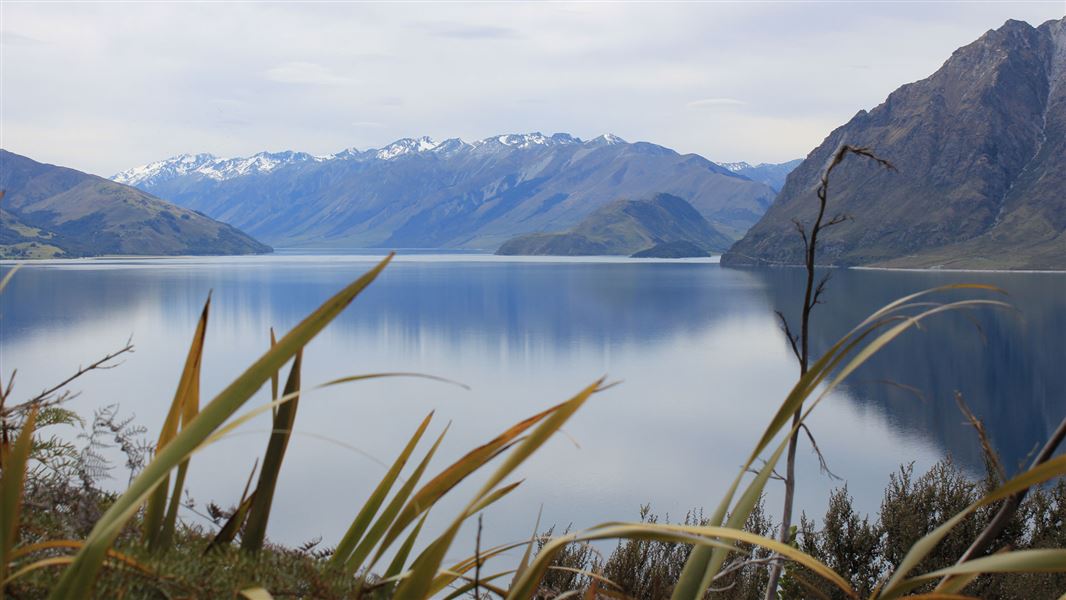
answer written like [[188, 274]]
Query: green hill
[[49, 211], [625, 227]]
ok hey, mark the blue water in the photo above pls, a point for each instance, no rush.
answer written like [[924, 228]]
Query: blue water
[[696, 347]]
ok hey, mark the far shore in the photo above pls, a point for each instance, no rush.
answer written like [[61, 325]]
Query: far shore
[[405, 254]]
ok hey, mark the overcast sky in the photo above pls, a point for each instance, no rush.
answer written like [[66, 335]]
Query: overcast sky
[[105, 86]]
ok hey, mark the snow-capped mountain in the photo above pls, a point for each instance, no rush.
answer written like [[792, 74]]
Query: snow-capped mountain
[[772, 174], [210, 166], [421, 192], [214, 167], [736, 167]]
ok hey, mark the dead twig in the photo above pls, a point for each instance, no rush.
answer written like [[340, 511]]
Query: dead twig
[[46, 395], [812, 297]]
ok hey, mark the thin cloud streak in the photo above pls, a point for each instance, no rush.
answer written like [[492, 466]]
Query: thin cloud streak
[[304, 73], [715, 102]]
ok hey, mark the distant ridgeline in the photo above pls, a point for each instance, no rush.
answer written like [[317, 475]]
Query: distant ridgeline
[[664, 226], [49, 211], [980, 148], [420, 193]]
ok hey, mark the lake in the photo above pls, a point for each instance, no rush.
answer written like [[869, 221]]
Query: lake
[[696, 347]]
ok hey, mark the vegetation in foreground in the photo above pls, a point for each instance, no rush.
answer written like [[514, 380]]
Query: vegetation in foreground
[[133, 545]]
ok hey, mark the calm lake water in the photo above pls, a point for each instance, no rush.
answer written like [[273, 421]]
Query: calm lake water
[[700, 357]]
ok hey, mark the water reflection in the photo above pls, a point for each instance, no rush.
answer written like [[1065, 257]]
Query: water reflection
[[697, 348], [1007, 365]]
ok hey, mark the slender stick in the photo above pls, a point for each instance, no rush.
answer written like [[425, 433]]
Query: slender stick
[[811, 297], [100, 364]]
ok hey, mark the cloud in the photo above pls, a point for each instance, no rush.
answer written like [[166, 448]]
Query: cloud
[[471, 32], [9, 38], [753, 81], [713, 102], [304, 73]]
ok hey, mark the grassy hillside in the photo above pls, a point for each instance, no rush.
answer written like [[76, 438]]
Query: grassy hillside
[[51, 211], [625, 227]]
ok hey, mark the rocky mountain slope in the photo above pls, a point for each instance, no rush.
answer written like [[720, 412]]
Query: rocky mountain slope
[[980, 148], [49, 211], [626, 227], [425, 193]]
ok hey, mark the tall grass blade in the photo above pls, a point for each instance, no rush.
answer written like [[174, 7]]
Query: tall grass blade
[[704, 562], [275, 377], [524, 563], [404, 551], [229, 530], [467, 587], [459, 470], [425, 567], [182, 409], [491, 498], [7, 276], [1047, 560], [284, 418], [448, 576], [388, 516], [233, 525], [377, 498], [12, 481], [685, 534], [77, 579]]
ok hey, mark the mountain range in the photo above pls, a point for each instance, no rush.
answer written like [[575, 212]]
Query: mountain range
[[663, 223], [980, 154], [772, 174], [452, 193], [48, 211]]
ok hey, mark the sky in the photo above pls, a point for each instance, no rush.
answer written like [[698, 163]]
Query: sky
[[105, 86]]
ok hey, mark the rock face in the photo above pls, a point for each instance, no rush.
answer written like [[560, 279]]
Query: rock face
[[625, 227], [49, 211], [980, 148], [425, 193]]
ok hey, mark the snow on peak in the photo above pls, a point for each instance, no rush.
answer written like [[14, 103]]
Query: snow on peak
[[209, 165], [406, 146], [607, 139], [735, 167], [524, 140], [527, 140]]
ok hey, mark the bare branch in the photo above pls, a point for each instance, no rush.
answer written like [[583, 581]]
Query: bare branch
[[739, 564], [773, 473], [792, 338], [836, 220], [822, 463], [820, 289], [917, 393], [811, 297], [477, 559], [45, 395], [803, 234]]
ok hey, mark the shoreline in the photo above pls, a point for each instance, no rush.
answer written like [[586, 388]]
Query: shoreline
[[462, 255]]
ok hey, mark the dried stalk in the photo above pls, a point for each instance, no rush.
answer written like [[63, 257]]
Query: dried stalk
[[812, 296]]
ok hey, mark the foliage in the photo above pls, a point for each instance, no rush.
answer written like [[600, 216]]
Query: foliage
[[132, 545]]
